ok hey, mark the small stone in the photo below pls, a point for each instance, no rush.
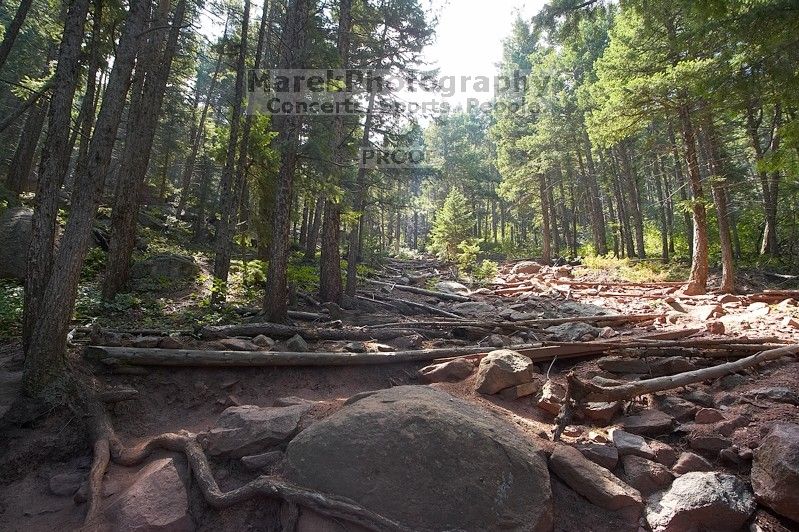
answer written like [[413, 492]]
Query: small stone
[[645, 475], [778, 394], [65, 484], [356, 347], [664, 453], [297, 344], [238, 344], [729, 298], [680, 409], [706, 312], [706, 416], [710, 443], [526, 267], [608, 332], [170, 342], [451, 371], [790, 323], [261, 461], [731, 382], [522, 390], [649, 423], [759, 309], [572, 332], [699, 397], [715, 327], [601, 413], [263, 342], [605, 455], [632, 444], [689, 462], [551, 399]]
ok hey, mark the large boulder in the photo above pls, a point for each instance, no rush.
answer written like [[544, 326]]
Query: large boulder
[[452, 287], [526, 267], [701, 501], [156, 501], [452, 371], [502, 369], [166, 270], [247, 430], [573, 332], [15, 236], [426, 460], [775, 470]]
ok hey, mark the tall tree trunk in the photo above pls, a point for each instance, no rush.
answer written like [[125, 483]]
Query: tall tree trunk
[[314, 228], [682, 183], [546, 235], [634, 195], [719, 188], [138, 147], [664, 222], [595, 202], [52, 169], [45, 361], [227, 184], [288, 127], [198, 229], [199, 131], [697, 282], [12, 30], [19, 172], [330, 287]]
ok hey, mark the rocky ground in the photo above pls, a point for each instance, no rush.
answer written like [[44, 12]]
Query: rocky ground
[[451, 441]]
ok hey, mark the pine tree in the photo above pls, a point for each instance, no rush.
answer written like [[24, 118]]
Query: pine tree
[[452, 225]]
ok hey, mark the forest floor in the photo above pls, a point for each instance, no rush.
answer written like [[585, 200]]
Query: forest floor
[[43, 466]]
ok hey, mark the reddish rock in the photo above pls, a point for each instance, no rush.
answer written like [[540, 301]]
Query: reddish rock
[[601, 413], [775, 470], [715, 327], [680, 409], [526, 267], [689, 462], [170, 342], [452, 371], [706, 416], [664, 453], [706, 312], [592, 481], [523, 390], [645, 475], [156, 501], [709, 442], [552, 395]]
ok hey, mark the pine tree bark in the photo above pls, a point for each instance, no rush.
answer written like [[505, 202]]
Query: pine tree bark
[[697, 282], [546, 237], [19, 171], [227, 184], [330, 288], [595, 202], [45, 363], [53, 166], [664, 222], [157, 64], [12, 31], [288, 127], [634, 195]]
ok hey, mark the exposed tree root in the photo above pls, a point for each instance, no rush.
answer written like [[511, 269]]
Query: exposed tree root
[[107, 446]]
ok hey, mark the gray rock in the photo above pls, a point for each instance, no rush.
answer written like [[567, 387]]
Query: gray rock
[[605, 455], [649, 423], [591, 480], [238, 344], [775, 470], [156, 501], [502, 369], [572, 332], [451, 371], [690, 462], [708, 442], [297, 344], [167, 268], [631, 444], [601, 413], [474, 308], [701, 501], [411, 453], [652, 366], [551, 397], [356, 347], [15, 237], [246, 430], [65, 484], [264, 342], [778, 394], [452, 287], [645, 475], [678, 408], [699, 397]]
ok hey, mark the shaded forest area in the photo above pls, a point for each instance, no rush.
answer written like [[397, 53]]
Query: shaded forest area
[[606, 260]]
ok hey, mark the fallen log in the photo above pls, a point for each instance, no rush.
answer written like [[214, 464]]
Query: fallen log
[[215, 332], [422, 291], [428, 308], [115, 356], [542, 322]]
